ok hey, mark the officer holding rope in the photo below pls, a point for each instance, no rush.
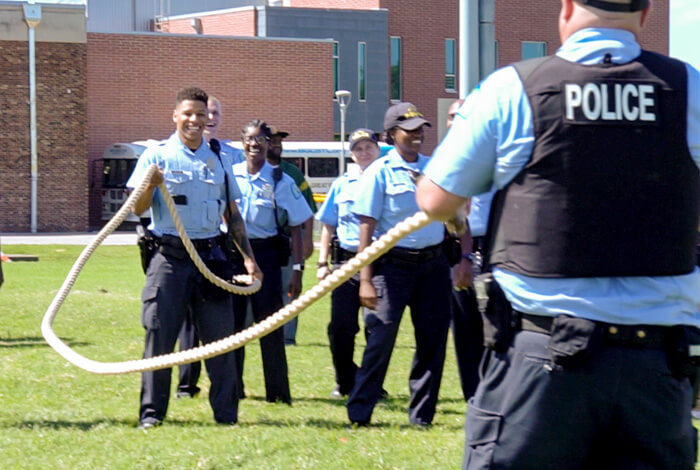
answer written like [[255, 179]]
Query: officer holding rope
[[199, 182], [592, 319]]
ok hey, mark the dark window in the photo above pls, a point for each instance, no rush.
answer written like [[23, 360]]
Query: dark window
[[396, 68], [532, 49], [297, 162], [116, 172], [336, 65], [362, 71], [450, 65], [323, 167]]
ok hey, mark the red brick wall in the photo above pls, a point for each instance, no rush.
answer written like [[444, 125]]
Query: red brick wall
[[62, 201], [423, 32], [132, 81], [340, 4], [239, 23], [537, 20]]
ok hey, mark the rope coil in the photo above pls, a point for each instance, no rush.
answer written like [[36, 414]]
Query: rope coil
[[337, 277]]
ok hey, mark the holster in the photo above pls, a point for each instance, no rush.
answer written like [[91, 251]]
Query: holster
[[684, 355], [230, 249], [335, 250], [147, 246], [452, 248], [500, 322], [573, 340]]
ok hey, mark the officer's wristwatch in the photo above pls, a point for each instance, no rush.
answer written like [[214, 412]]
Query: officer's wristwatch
[[469, 256], [298, 267]]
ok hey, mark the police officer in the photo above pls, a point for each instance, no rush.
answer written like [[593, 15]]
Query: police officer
[[415, 273], [340, 237], [274, 158], [595, 151], [267, 195], [196, 178], [188, 338]]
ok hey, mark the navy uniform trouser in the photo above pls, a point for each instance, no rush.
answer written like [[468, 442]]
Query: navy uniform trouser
[[189, 373], [468, 333], [425, 288], [264, 303], [342, 329], [621, 409], [171, 289]]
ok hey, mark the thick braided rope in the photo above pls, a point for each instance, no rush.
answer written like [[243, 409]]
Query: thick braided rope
[[371, 253]]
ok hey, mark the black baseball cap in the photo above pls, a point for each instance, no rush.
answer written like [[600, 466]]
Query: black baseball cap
[[274, 130], [404, 115], [361, 134], [629, 6]]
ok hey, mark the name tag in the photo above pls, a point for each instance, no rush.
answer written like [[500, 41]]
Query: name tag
[[615, 102]]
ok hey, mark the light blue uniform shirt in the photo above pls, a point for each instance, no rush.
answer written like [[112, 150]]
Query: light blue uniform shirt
[[235, 155], [491, 140], [387, 194], [199, 176], [479, 213], [258, 198], [336, 210]]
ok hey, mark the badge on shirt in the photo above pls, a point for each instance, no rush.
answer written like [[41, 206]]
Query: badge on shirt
[[267, 191], [211, 164]]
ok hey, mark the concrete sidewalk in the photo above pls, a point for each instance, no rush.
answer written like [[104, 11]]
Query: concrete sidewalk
[[65, 238]]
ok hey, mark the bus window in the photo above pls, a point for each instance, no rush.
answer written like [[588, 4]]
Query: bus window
[[297, 162], [323, 167], [117, 171]]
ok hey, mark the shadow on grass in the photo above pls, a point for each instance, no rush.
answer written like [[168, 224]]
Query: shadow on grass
[[33, 342], [64, 424], [326, 345], [306, 422]]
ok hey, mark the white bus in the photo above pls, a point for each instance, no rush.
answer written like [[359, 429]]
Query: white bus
[[319, 162]]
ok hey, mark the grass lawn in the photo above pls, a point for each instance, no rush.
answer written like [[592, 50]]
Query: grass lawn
[[54, 415]]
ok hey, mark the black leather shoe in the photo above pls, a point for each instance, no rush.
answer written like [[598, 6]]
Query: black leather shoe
[[149, 424]]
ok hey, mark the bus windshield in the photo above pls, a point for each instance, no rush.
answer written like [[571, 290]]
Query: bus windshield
[[117, 171]]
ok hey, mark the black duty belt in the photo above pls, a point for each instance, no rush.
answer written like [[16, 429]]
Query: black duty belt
[[408, 255], [640, 336], [201, 244], [262, 243], [344, 255]]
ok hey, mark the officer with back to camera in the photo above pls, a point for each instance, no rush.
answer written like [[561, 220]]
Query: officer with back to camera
[[197, 180], [595, 151]]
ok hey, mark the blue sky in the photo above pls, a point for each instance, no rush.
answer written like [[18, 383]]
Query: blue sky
[[685, 31]]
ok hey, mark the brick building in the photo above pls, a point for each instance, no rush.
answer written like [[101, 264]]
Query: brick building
[[112, 78]]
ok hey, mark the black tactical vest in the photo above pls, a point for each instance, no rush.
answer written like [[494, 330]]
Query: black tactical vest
[[611, 188]]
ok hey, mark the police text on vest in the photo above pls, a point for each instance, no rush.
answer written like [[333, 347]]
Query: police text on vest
[[611, 102]]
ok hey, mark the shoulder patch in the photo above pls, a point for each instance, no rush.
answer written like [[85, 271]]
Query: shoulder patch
[[295, 191]]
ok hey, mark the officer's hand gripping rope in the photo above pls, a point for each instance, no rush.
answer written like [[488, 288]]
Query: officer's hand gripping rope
[[371, 253]]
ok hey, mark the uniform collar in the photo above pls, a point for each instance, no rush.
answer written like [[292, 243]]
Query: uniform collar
[[175, 141], [395, 160], [265, 173], [588, 46]]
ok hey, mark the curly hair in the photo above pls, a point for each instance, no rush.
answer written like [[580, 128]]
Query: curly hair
[[191, 93]]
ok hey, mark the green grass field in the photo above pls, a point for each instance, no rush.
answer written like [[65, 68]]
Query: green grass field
[[54, 415]]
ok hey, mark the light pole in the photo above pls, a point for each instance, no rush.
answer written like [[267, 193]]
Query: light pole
[[343, 97], [32, 16]]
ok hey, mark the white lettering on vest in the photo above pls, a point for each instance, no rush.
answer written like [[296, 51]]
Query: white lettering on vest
[[610, 102]]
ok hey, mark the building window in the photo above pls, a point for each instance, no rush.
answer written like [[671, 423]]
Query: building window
[[361, 71], [532, 49], [395, 68], [336, 65], [450, 65]]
